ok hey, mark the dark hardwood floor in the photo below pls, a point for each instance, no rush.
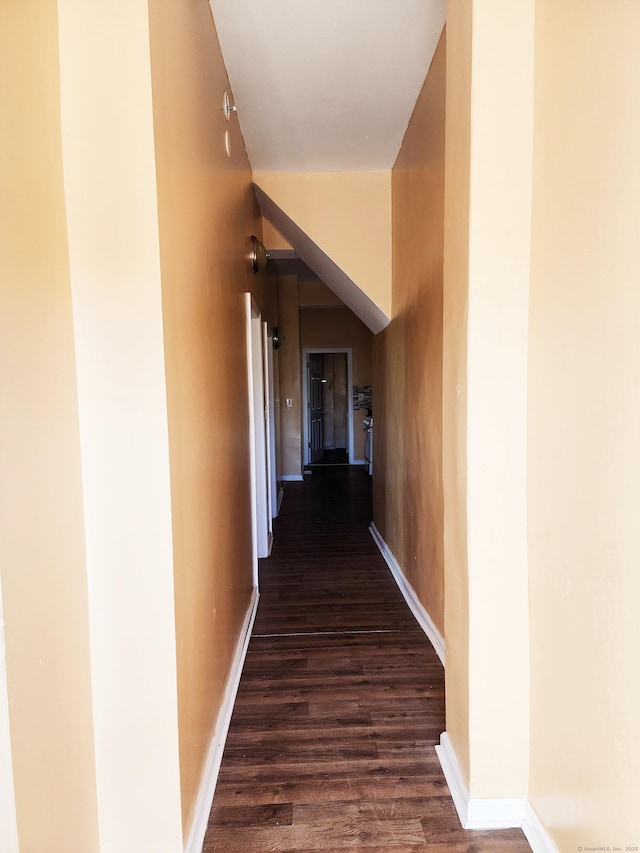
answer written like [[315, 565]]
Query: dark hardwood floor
[[341, 701]]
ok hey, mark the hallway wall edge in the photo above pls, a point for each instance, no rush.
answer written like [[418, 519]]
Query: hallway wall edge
[[204, 802], [424, 620]]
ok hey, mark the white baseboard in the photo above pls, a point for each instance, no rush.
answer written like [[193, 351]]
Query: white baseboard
[[478, 812], [216, 747], [292, 478], [424, 620], [280, 496], [539, 839]]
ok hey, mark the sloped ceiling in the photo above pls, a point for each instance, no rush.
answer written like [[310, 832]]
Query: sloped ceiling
[[328, 85]]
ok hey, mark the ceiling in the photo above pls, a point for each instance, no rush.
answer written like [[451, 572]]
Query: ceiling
[[329, 85]]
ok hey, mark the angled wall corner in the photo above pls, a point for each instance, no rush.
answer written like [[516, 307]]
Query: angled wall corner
[[350, 252], [486, 299], [110, 197]]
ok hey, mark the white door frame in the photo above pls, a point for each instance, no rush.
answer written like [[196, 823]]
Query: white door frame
[[305, 398], [262, 530], [267, 348]]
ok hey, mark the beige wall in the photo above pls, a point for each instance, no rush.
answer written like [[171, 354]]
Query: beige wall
[[272, 238], [207, 210], [548, 289], [407, 481], [42, 549], [487, 243], [110, 564], [348, 215], [290, 379], [110, 189], [454, 374], [125, 494], [340, 328], [584, 423], [499, 257]]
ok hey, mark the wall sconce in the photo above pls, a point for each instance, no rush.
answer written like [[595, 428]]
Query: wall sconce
[[277, 337], [258, 255]]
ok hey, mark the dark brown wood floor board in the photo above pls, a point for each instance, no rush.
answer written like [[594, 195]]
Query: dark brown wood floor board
[[387, 643], [380, 711], [305, 641], [271, 814], [368, 683], [294, 746], [257, 717], [306, 729], [399, 808], [333, 729], [341, 701], [353, 789], [312, 731], [293, 751], [315, 662], [338, 620], [397, 848], [318, 692], [338, 834], [335, 770], [467, 841], [315, 714], [359, 613]]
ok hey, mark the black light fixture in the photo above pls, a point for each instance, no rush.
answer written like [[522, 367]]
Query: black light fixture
[[258, 255]]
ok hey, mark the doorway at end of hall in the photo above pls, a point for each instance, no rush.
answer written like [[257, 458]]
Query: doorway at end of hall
[[328, 390]]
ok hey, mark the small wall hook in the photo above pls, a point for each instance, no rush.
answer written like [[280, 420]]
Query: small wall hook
[[228, 107]]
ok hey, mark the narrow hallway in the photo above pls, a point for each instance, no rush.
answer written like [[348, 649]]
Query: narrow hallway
[[341, 701]]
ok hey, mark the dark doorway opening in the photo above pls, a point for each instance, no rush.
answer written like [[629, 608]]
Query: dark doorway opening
[[328, 395]]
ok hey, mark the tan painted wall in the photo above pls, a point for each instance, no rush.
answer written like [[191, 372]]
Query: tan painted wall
[[289, 377], [207, 211], [42, 551], [454, 375], [339, 327], [272, 238], [584, 423], [407, 480], [348, 215], [313, 293]]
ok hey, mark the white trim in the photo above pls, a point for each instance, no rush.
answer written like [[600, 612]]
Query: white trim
[[424, 620], [305, 398], [252, 443], [270, 425], [8, 819], [280, 496], [477, 812], [262, 522], [539, 839], [219, 737], [292, 478], [451, 770]]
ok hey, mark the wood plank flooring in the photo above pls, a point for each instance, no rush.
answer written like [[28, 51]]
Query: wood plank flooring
[[341, 701]]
